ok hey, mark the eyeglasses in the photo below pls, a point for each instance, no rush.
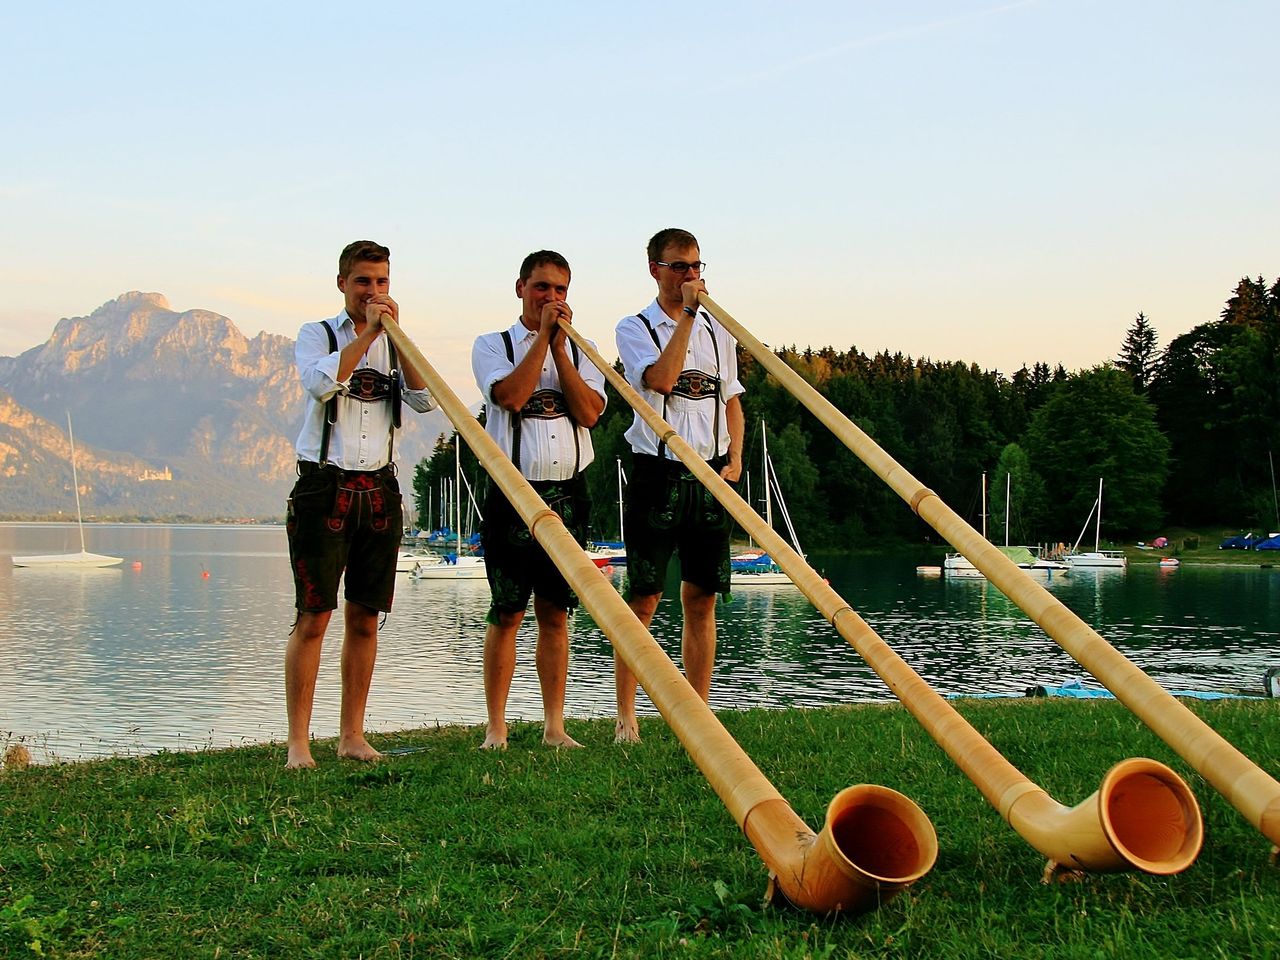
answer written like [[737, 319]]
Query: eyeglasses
[[683, 266]]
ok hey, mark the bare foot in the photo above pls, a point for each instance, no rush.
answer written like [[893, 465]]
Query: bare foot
[[494, 739], [299, 758], [560, 739], [626, 731], [357, 748]]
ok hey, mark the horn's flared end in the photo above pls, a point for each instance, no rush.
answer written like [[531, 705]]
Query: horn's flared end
[[1151, 816], [875, 842]]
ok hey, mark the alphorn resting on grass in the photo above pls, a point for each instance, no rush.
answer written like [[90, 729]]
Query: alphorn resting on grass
[[1245, 785]]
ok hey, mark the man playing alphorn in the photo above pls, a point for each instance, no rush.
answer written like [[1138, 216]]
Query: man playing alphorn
[[543, 399], [685, 366], [344, 514]]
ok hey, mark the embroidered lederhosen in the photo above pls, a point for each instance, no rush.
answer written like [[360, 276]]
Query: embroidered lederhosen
[[669, 509], [517, 567], [347, 520]]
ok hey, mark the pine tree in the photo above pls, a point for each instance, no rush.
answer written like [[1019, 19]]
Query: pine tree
[[1139, 355]]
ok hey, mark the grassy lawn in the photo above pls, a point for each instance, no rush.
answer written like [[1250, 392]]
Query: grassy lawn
[[1201, 546], [602, 852]]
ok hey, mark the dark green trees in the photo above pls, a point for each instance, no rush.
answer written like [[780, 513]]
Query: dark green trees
[[1095, 426], [1216, 393]]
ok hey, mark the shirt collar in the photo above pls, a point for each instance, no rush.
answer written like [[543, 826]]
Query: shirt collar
[[656, 315], [519, 332]]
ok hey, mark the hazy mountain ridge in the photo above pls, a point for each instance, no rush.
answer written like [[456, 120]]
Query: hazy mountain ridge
[[151, 389]]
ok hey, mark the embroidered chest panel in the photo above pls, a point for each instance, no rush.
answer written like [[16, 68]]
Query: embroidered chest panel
[[545, 405], [368, 385], [696, 385]]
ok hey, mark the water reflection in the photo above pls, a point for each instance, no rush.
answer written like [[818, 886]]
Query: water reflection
[[164, 657]]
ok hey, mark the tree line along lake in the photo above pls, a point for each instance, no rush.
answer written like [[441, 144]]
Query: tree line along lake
[[181, 647]]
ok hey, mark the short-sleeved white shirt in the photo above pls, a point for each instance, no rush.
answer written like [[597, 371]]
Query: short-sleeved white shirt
[[360, 438], [711, 351], [547, 448]]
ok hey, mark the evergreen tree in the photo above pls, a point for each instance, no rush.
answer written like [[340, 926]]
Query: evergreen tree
[[1097, 426], [1026, 498], [426, 487], [1139, 356]]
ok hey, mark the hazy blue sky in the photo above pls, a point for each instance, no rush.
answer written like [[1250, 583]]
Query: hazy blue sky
[[997, 183]]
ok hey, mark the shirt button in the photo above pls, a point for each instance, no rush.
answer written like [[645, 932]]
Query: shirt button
[[553, 436], [555, 462]]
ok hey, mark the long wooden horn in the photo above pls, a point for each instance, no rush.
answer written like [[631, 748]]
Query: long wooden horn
[[1244, 784], [1143, 815], [875, 841]]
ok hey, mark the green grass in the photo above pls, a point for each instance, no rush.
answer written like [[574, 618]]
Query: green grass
[[600, 852]]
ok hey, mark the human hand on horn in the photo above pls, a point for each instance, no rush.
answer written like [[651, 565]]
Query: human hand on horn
[[377, 307], [552, 314], [689, 290]]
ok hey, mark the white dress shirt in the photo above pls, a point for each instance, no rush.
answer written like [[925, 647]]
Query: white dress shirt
[[547, 449], [360, 438], [694, 419]]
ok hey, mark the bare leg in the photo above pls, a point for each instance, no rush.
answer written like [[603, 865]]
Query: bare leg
[[359, 651], [553, 670], [627, 730], [301, 664], [698, 639], [499, 667]]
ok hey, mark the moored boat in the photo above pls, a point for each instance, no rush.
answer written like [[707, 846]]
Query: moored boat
[[84, 558], [1097, 557]]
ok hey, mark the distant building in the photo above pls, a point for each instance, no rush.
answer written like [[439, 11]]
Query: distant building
[[156, 475]]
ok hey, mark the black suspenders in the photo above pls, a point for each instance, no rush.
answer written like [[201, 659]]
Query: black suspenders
[[715, 346], [331, 405], [518, 416]]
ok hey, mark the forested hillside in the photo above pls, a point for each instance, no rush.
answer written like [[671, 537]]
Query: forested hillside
[[1183, 435]]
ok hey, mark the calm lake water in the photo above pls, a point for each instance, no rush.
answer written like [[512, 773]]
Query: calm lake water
[[136, 659]]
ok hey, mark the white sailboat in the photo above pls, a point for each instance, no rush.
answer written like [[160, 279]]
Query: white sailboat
[[612, 553], [1097, 557], [957, 564], [452, 566], [1028, 558], [84, 558], [758, 568]]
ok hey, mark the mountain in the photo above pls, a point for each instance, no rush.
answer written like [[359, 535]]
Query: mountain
[[175, 415]]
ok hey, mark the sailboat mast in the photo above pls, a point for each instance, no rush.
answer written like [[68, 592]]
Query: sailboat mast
[[984, 505], [1097, 528], [1008, 489], [457, 489], [621, 529], [768, 499], [75, 482]]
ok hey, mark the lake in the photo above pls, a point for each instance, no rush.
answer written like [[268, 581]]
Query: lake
[[182, 646]]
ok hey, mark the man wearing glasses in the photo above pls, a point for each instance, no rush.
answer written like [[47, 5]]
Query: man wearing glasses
[[685, 365]]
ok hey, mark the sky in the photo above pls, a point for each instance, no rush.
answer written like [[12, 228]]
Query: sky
[[998, 183]]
